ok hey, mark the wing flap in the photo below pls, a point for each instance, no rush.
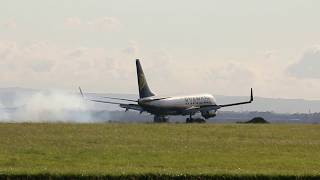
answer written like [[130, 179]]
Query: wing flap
[[135, 107], [195, 109]]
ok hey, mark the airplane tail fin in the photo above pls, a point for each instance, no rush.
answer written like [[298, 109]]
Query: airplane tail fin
[[144, 90]]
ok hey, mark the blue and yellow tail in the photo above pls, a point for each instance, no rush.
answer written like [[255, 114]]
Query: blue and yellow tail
[[144, 90]]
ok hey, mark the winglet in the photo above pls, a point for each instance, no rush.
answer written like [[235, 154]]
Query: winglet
[[81, 92], [251, 99]]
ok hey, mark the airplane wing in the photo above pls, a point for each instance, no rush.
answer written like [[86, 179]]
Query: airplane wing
[[135, 107], [239, 103]]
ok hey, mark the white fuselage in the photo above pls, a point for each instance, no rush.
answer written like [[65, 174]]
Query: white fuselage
[[172, 105]]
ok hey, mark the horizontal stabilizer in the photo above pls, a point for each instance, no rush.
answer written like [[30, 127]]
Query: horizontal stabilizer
[[136, 107]]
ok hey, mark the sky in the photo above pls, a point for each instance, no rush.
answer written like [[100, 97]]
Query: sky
[[221, 47]]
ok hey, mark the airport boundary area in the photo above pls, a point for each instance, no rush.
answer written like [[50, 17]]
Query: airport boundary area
[[159, 151], [162, 177]]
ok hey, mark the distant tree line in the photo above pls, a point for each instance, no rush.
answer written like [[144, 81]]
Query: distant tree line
[[223, 117]]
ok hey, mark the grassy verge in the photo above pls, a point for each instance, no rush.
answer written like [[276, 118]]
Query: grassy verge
[[160, 150]]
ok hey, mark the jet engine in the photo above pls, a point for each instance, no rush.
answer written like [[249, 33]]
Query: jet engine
[[208, 114]]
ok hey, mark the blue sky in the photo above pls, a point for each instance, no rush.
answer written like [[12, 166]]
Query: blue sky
[[220, 47]]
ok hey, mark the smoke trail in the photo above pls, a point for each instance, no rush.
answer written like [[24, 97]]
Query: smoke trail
[[51, 107], [4, 113]]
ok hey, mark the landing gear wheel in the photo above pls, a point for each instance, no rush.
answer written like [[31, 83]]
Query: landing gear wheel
[[197, 120], [160, 119]]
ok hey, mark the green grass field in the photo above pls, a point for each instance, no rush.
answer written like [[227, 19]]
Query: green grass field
[[161, 149]]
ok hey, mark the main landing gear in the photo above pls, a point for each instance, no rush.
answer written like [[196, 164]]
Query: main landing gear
[[160, 119], [196, 120]]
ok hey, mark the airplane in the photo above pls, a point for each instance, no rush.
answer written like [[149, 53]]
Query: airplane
[[161, 107]]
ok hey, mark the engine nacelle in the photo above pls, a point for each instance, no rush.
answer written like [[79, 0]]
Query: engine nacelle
[[208, 114]]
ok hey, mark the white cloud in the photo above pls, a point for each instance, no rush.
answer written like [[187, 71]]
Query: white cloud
[[98, 24], [47, 65], [132, 49], [308, 65], [269, 54], [10, 24], [229, 76], [6, 49], [105, 23], [73, 22], [77, 53], [42, 64]]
